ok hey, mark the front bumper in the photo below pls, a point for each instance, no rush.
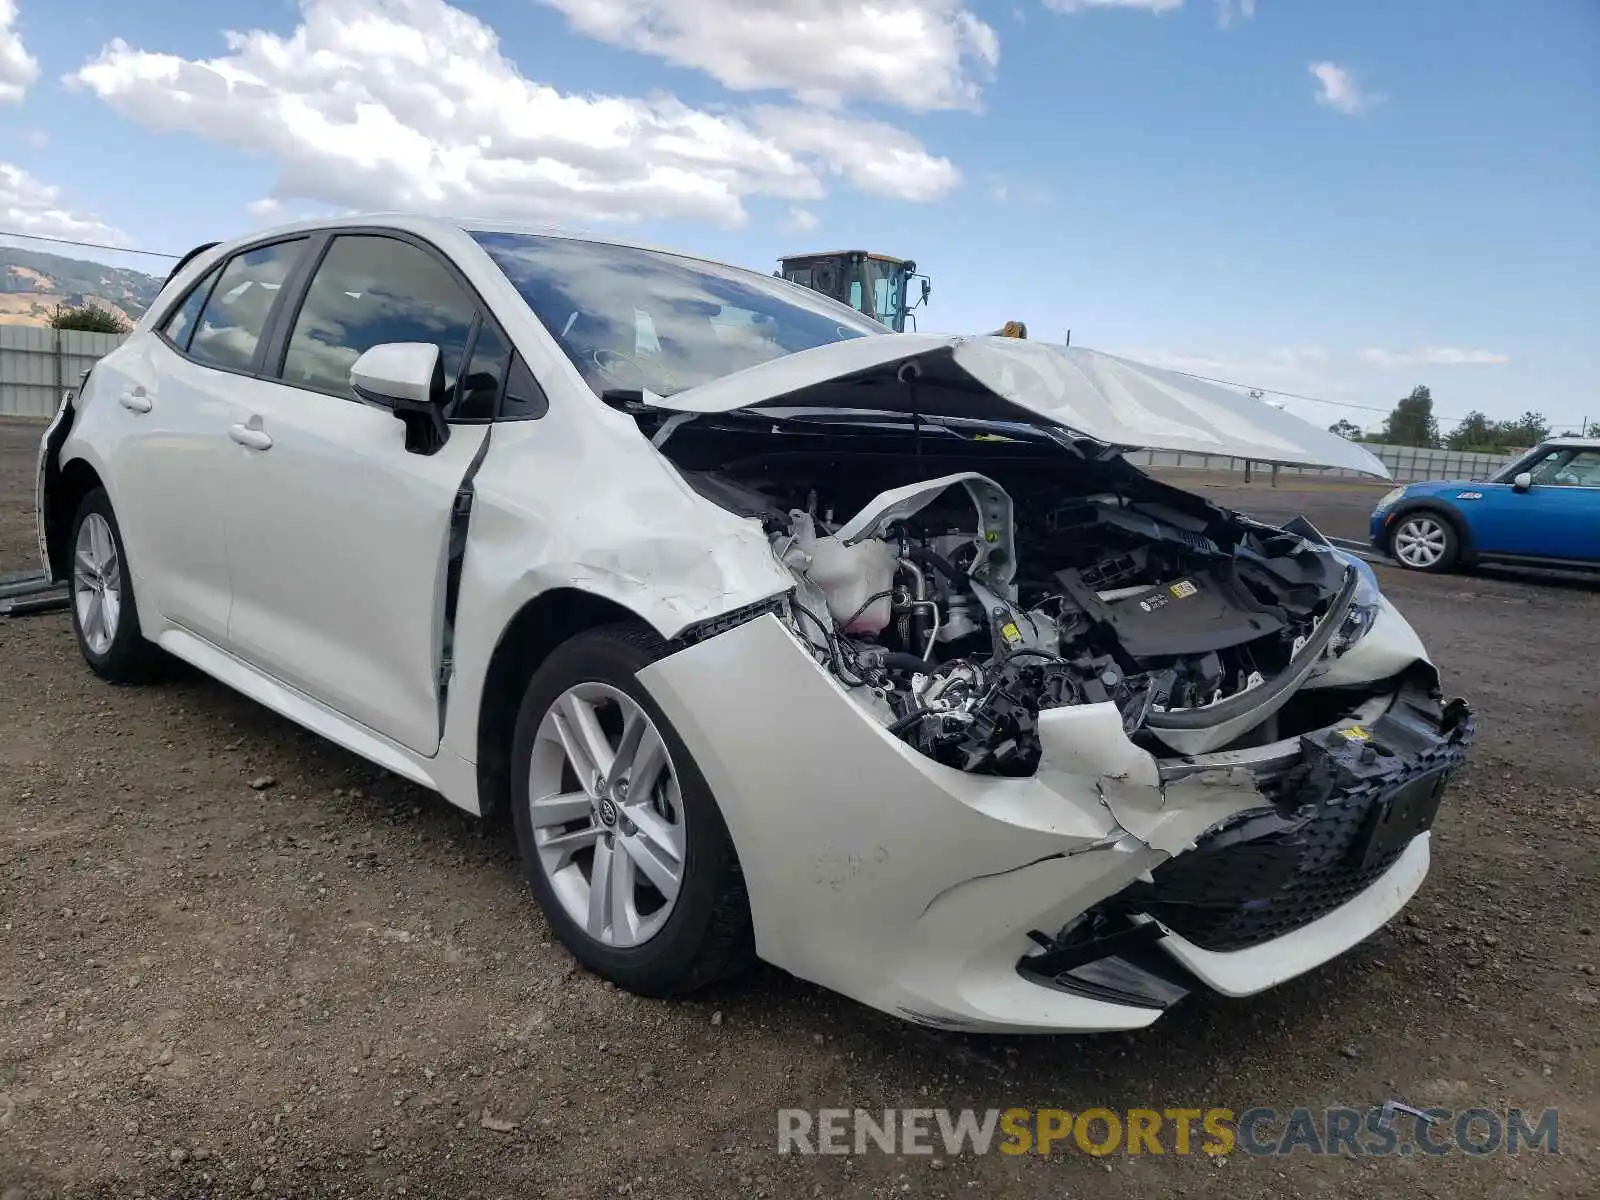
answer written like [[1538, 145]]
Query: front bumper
[[1378, 529], [927, 892]]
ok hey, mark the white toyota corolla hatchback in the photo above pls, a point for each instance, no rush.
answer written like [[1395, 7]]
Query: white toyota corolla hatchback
[[780, 635]]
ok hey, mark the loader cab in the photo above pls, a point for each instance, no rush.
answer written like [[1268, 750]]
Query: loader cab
[[876, 285]]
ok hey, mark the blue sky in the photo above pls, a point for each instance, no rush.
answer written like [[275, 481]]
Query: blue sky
[[1342, 198]]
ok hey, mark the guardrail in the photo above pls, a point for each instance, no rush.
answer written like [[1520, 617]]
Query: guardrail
[[1406, 463]]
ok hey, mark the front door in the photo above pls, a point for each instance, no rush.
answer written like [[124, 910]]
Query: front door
[[1558, 517], [337, 535]]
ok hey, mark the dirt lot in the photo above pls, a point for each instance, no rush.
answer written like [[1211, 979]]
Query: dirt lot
[[322, 987]]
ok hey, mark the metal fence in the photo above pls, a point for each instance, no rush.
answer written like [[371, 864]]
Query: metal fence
[[1406, 463], [36, 365]]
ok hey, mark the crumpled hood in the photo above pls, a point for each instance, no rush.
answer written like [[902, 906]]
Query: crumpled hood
[[1099, 396]]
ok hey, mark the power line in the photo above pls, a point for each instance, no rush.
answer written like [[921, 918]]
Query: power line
[[1250, 387], [39, 237]]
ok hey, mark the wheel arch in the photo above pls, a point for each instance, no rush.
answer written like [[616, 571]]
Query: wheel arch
[[537, 628], [1467, 546], [65, 490]]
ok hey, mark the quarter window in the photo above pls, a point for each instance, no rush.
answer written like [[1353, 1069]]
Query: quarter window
[[525, 399], [479, 388], [179, 327], [369, 291], [235, 314]]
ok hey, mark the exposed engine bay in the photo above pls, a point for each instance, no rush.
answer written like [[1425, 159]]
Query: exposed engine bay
[[961, 604]]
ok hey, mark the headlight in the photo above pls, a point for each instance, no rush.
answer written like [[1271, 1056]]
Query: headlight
[[1389, 498], [1364, 605]]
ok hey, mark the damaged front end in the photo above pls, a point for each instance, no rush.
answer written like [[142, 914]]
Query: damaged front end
[[1257, 731], [956, 610]]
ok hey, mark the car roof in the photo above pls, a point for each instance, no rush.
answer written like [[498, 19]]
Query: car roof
[[1566, 443], [436, 227]]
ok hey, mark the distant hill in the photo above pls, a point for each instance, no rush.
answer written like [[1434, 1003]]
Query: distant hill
[[32, 283]]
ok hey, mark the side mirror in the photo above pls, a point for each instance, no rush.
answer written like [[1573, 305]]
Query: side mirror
[[408, 379], [1522, 482], [927, 287]]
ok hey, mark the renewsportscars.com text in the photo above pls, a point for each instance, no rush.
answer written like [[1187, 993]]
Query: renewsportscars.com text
[[1392, 1129]]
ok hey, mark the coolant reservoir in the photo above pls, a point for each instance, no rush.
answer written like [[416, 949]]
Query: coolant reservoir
[[851, 575], [847, 576]]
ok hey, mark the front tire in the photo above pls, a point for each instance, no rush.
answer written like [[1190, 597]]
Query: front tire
[[105, 613], [1425, 540], [621, 839]]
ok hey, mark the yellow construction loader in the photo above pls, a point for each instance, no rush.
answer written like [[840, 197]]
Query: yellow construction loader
[[878, 285]]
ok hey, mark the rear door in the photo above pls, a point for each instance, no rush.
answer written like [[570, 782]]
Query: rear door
[[337, 535], [174, 392]]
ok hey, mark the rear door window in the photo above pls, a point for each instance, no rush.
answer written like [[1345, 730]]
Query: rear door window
[[179, 327], [234, 318], [370, 290]]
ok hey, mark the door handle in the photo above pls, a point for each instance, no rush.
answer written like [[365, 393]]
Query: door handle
[[250, 434], [136, 400]]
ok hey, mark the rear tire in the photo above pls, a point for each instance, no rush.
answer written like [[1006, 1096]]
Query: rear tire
[[105, 613], [1425, 540], [632, 865]]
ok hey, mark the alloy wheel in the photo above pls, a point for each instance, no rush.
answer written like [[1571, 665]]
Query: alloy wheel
[[97, 583], [607, 814], [1420, 542]]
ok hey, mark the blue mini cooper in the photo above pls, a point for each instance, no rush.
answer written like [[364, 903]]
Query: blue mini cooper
[[1541, 510]]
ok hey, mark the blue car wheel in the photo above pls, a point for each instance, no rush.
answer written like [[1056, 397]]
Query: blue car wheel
[[1425, 541]]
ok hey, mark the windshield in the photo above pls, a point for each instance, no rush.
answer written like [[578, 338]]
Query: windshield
[[887, 286], [631, 318]]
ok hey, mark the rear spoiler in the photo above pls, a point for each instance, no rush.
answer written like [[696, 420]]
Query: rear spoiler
[[186, 260]]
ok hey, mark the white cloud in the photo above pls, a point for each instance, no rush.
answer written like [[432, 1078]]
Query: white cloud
[[915, 54], [1004, 190], [265, 209], [18, 68], [1431, 356], [1157, 6], [1339, 90], [409, 104], [800, 221], [1228, 9], [873, 156], [28, 205], [1276, 366]]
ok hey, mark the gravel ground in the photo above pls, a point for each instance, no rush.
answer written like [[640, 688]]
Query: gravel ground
[[237, 961]]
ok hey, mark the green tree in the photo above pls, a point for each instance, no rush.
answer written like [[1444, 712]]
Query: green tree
[[90, 318], [1527, 430], [1348, 430], [1594, 429], [1412, 422], [1474, 432]]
